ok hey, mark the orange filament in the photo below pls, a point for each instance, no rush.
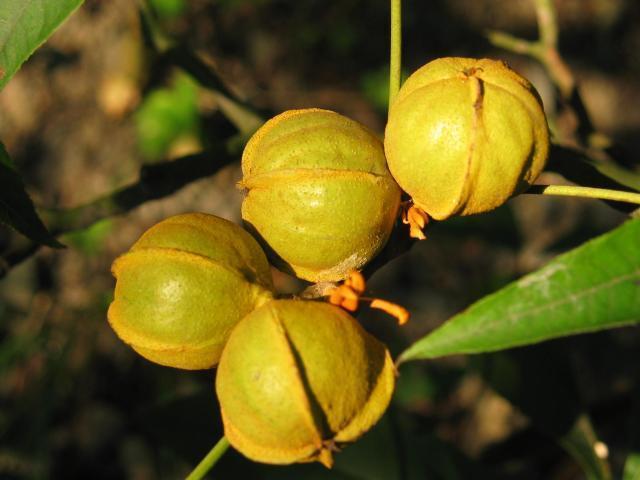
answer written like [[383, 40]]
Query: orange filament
[[393, 309], [348, 296], [357, 282], [344, 297], [417, 220]]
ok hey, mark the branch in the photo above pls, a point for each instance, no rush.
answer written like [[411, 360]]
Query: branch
[[582, 156], [545, 50], [550, 55], [161, 180], [245, 118], [547, 22], [155, 181], [513, 44]]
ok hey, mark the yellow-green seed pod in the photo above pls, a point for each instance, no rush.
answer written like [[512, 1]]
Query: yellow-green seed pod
[[184, 285], [298, 379], [464, 135], [319, 195]]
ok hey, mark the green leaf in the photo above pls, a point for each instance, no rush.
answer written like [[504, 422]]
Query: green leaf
[[632, 467], [582, 444], [16, 208], [166, 115], [593, 287], [24, 26], [91, 239], [168, 8]]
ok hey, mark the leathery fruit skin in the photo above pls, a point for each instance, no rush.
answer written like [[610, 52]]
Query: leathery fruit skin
[[319, 195], [464, 135], [184, 285], [297, 379]]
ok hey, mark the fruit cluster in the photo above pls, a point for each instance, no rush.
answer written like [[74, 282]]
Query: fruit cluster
[[296, 379]]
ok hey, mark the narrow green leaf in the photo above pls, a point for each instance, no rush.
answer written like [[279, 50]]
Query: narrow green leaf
[[24, 26], [593, 287], [583, 445], [16, 208], [632, 467]]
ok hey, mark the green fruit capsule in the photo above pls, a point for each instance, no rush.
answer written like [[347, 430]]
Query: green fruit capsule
[[184, 285], [298, 379], [319, 196], [464, 135]]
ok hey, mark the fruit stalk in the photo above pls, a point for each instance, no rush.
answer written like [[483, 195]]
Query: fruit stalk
[[208, 462], [395, 65], [586, 192]]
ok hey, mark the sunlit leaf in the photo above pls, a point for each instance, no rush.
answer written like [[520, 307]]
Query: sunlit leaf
[[166, 115], [593, 287], [24, 26]]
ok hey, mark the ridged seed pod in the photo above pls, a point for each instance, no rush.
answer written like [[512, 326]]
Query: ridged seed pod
[[298, 379], [464, 135], [184, 285], [319, 195]]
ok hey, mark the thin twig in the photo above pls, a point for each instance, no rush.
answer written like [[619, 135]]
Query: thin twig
[[545, 49], [578, 126], [576, 133], [155, 181], [556, 66], [586, 192], [513, 44], [209, 461], [591, 168], [395, 63], [547, 22]]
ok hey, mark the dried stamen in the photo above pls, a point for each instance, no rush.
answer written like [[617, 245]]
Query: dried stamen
[[416, 218], [348, 296]]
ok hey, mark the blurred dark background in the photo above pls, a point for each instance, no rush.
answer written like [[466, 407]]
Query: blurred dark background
[[93, 105]]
